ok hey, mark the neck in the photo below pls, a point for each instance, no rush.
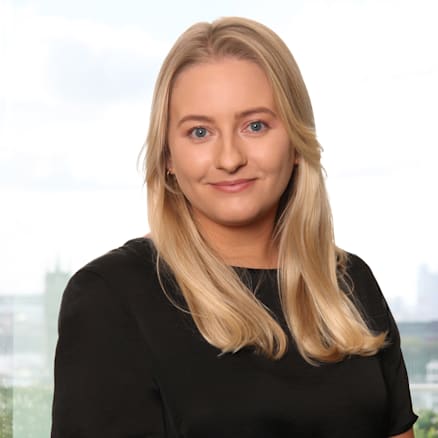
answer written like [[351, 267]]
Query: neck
[[246, 246]]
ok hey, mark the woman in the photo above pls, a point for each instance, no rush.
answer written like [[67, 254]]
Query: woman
[[237, 316]]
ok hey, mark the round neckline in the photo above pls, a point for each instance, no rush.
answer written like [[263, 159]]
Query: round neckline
[[247, 268], [240, 268]]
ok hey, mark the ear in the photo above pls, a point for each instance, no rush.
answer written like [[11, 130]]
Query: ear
[[169, 163], [296, 158]]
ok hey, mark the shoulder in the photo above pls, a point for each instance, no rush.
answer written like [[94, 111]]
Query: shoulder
[[366, 293], [121, 272], [136, 255], [127, 265], [360, 272], [118, 294]]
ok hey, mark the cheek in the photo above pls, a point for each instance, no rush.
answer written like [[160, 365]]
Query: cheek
[[276, 160], [189, 163], [278, 169]]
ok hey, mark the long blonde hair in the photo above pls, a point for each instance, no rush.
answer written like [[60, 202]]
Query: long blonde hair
[[325, 324]]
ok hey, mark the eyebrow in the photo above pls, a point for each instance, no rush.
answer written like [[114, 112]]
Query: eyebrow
[[240, 115]]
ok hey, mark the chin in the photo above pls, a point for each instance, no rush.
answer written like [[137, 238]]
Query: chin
[[239, 220]]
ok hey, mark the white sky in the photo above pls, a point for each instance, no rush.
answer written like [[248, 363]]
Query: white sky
[[75, 86]]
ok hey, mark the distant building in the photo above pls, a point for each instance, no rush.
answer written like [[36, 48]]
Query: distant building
[[29, 332], [427, 304], [432, 371], [22, 339], [55, 282], [399, 308], [6, 339]]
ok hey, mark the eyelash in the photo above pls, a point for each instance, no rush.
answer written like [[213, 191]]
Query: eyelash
[[191, 131]]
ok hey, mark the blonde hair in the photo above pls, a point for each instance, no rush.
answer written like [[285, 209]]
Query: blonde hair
[[323, 321]]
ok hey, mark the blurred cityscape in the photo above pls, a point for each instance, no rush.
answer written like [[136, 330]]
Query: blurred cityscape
[[28, 332], [28, 335]]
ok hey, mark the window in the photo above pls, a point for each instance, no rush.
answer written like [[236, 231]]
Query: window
[[75, 103]]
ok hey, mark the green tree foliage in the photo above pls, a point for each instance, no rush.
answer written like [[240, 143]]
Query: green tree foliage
[[427, 424], [25, 412], [32, 411], [5, 412]]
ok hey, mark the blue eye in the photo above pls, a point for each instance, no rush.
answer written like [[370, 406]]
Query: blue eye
[[256, 126], [198, 132]]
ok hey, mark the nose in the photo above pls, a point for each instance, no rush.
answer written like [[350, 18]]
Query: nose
[[230, 155]]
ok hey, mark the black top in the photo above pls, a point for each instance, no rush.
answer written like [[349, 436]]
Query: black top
[[130, 365]]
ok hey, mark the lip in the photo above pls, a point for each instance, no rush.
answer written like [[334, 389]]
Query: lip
[[233, 186]]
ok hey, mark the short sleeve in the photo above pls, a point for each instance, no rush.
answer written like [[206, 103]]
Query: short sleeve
[[401, 416], [104, 385]]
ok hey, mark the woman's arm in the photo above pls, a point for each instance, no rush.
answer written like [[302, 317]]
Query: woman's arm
[[104, 386], [400, 416], [407, 434]]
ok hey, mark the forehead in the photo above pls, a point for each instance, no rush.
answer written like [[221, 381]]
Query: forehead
[[221, 86]]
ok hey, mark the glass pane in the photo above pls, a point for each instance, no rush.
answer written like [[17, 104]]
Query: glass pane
[[75, 89]]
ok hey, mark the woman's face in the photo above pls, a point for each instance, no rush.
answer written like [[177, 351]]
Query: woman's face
[[229, 151]]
